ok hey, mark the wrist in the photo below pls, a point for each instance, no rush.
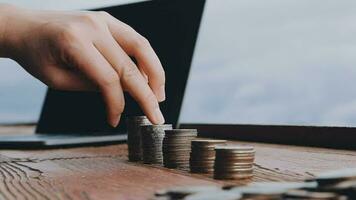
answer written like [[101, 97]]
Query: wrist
[[7, 37]]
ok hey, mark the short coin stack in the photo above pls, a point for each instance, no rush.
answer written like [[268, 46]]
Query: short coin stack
[[177, 146], [152, 140], [202, 155], [233, 162], [134, 136]]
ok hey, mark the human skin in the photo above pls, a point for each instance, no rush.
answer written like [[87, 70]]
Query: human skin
[[83, 50]]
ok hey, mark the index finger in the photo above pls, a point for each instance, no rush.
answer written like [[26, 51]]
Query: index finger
[[131, 78], [136, 45]]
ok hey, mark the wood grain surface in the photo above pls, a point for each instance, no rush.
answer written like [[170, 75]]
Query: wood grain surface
[[105, 173]]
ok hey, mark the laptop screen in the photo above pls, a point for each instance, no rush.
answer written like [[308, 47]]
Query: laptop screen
[[172, 28]]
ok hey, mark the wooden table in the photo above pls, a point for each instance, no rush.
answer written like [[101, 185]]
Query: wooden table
[[105, 173]]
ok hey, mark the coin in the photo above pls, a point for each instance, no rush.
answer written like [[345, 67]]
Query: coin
[[152, 141], [235, 167], [134, 124], [232, 176], [177, 146], [202, 156], [233, 161], [304, 194], [335, 176], [182, 191], [342, 188], [258, 192]]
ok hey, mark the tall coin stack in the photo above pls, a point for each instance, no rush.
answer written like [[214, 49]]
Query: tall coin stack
[[234, 162], [152, 140], [202, 155], [134, 136], [177, 146]]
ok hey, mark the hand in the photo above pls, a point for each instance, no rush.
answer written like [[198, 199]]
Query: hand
[[84, 50]]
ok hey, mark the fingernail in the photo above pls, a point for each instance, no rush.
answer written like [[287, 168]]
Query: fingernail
[[115, 121], [161, 95], [159, 117]]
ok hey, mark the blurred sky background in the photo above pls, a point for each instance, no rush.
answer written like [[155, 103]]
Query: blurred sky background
[[256, 62], [275, 62]]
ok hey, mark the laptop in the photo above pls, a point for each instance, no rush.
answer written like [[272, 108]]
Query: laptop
[[79, 118]]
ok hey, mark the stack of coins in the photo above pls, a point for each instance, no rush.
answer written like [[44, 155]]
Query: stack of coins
[[152, 140], [134, 136], [202, 156], [176, 147], [233, 162]]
